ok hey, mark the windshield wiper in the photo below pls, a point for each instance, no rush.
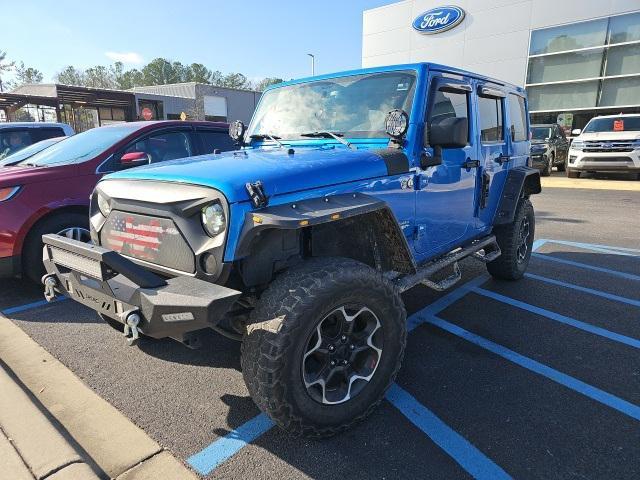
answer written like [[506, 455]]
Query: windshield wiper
[[262, 136], [327, 134]]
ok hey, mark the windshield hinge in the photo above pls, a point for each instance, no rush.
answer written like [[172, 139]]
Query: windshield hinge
[[257, 195]]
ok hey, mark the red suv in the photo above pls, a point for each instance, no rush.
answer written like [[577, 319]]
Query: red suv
[[49, 192]]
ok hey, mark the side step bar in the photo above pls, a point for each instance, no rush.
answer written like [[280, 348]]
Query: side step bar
[[487, 245]]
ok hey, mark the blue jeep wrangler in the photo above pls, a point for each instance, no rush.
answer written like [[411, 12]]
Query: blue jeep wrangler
[[349, 189]]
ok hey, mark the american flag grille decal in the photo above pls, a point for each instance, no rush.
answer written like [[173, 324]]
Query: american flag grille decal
[[155, 240]]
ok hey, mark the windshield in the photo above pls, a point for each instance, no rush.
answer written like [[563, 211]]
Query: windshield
[[353, 106], [29, 151], [540, 133], [613, 124], [80, 147], [13, 141]]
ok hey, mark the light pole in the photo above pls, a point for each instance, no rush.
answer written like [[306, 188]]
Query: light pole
[[313, 63]]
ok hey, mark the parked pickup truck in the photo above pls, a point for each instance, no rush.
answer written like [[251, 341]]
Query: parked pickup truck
[[349, 189]]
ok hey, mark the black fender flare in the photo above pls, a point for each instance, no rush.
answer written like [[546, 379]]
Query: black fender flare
[[520, 182], [321, 210]]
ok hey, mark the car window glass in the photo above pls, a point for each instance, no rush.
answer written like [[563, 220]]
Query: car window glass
[[518, 114], [38, 134], [160, 147], [490, 112], [12, 141], [447, 105], [212, 140]]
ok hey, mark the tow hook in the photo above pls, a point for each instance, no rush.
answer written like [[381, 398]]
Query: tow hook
[[50, 283], [132, 319]]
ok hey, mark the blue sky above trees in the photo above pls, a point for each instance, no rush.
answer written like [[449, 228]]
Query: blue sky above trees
[[258, 39]]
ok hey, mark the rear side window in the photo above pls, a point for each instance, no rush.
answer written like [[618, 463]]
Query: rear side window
[[490, 110], [212, 140], [447, 105], [518, 114], [38, 134]]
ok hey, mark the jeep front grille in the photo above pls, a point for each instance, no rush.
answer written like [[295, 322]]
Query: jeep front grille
[[151, 239]]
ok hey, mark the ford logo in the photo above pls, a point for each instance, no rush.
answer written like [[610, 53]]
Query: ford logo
[[438, 19]]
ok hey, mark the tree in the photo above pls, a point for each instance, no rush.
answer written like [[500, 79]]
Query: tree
[[196, 72], [234, 80], [267, 82], [161, 71], [5, 66], [99, 77], [25, 75], [70, 76]]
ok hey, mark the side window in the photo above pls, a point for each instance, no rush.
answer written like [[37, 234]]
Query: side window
[[160, 147], [212, 140], [12, 141], [447, 105], [490, 113], [38, 134], [518, 114]]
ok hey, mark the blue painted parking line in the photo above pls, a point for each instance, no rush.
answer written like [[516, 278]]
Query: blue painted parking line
[[29, 306], [539, 243], [599, 248], [586, 266], [587, 327], [205, 461], [455, 445], [563, 379], [599, 293]]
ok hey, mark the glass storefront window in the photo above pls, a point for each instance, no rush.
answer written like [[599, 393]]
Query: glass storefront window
[[569, 37], [620, 91], [624, 28], [623, 60], [565, 66], [563, 96]]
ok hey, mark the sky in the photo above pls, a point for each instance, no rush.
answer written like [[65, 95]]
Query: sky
[[258, 39]]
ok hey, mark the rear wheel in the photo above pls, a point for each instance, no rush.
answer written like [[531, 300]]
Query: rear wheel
[[546, 171], [516, 243], [70, 225], [563, 166], [325, 342]]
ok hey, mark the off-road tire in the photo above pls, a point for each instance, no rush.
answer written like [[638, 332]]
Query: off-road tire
[[32, 266], [284, 318], [508, 266], [562, 166], [546, 171], [572, 173]]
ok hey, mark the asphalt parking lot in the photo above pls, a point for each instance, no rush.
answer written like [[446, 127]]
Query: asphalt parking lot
[[534, 379]]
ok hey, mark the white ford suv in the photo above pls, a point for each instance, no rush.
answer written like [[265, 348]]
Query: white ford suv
[[607, 144]]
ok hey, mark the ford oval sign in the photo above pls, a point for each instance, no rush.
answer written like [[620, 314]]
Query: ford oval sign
[[438, 19]]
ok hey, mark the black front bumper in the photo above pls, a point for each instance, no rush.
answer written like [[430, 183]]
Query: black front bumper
[[113, 285], [539, 161]]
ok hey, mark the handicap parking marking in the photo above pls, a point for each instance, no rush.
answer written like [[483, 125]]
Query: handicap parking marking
[[208, 459], [628, 252], [30, 306], [587, 327], [568, 381], [455, 445], [628, 276], [591, 291]]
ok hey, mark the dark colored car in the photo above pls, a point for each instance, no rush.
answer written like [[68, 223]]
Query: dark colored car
[[14, 136], [49, 191], [549, 148], [29, 151]]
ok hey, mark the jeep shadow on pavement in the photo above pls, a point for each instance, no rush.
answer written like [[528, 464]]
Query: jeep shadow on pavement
[[348, 190]]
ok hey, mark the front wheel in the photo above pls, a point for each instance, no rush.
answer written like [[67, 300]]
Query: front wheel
[[546, 171], [516, 242], [324, 343]]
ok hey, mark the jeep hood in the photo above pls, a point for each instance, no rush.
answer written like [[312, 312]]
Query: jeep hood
[[11, 176], [279, 172]]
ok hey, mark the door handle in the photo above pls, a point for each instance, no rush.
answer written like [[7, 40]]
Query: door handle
[[469, 164]]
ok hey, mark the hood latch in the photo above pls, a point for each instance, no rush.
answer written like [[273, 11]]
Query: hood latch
[[257, 195]]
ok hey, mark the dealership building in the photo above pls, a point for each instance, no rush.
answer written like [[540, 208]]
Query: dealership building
[[576, 58]]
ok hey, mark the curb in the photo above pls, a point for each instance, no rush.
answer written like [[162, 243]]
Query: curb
[[117, 446]]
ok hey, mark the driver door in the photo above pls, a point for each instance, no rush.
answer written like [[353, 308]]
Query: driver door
[[446, 194]]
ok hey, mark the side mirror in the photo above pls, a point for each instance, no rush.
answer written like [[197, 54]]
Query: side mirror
[[449, 133], [134, 159], [576, 131]]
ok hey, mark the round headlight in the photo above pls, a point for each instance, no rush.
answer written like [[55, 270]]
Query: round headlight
[[213, 219], [396, 123], [236, 130], [103, 205]]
